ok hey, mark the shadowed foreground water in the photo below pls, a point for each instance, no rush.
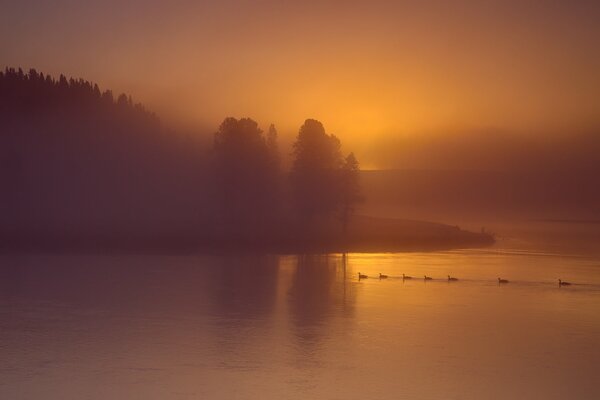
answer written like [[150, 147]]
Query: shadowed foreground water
[[135, 327]]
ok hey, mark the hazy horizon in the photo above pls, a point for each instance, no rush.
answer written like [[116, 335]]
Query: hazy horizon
[[261, 199], [382, 77]]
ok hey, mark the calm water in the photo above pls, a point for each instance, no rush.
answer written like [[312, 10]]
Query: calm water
[[137, 327]]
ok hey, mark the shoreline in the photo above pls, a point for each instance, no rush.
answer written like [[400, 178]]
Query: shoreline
[[367, 235]]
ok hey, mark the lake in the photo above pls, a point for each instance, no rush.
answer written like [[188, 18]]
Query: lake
[[300, 327]]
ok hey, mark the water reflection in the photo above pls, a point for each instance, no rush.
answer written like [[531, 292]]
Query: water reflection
[[242, 291], [320, 291], [268, 327], [244, 287]]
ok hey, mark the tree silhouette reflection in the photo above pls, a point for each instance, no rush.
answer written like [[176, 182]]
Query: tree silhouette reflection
[[320, 294]]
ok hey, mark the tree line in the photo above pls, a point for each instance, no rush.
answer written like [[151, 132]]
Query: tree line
[[73, 158], [322, 184]]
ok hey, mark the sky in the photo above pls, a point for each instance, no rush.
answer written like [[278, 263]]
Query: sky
[[376, 73]]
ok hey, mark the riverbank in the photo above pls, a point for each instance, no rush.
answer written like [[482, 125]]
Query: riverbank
[[364, 234]]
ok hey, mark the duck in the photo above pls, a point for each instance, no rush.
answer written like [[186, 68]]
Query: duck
[[452, 279], [382, 276], [406, 277], [427, 278], [502, 280], [361, 276], [563, 283]]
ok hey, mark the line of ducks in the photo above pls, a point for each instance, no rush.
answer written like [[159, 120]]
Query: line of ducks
[[450, 279]]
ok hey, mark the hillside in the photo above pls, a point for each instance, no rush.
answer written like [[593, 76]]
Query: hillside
[[76, 160], [471, 195]]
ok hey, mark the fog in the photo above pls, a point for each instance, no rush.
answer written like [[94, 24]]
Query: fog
[[384, 77]]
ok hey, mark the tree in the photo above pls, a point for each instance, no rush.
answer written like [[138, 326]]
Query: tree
[[245, 179], [273, 147], [350, 189], [315, 170], [323, 181]]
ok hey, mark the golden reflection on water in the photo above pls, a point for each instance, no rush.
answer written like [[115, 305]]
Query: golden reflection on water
[[299, 327]]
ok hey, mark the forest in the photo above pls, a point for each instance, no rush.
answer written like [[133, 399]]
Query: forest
[[81, 168]]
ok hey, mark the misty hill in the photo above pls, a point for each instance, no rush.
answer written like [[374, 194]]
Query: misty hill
[[75, 159], [471, 195], [83, 170]]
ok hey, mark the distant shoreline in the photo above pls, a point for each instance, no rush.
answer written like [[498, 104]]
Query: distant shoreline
[[569, 221], [367, 235]]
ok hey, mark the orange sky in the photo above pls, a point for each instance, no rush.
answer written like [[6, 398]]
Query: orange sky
[[367, 70]]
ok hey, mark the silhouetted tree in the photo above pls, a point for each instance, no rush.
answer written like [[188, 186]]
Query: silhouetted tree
[[245, 178], [273, 146], [350, 188], [315, 170], [323, 182]]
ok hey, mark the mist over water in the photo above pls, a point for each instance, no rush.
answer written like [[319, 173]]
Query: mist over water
[[256, 227], [296, 327]]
